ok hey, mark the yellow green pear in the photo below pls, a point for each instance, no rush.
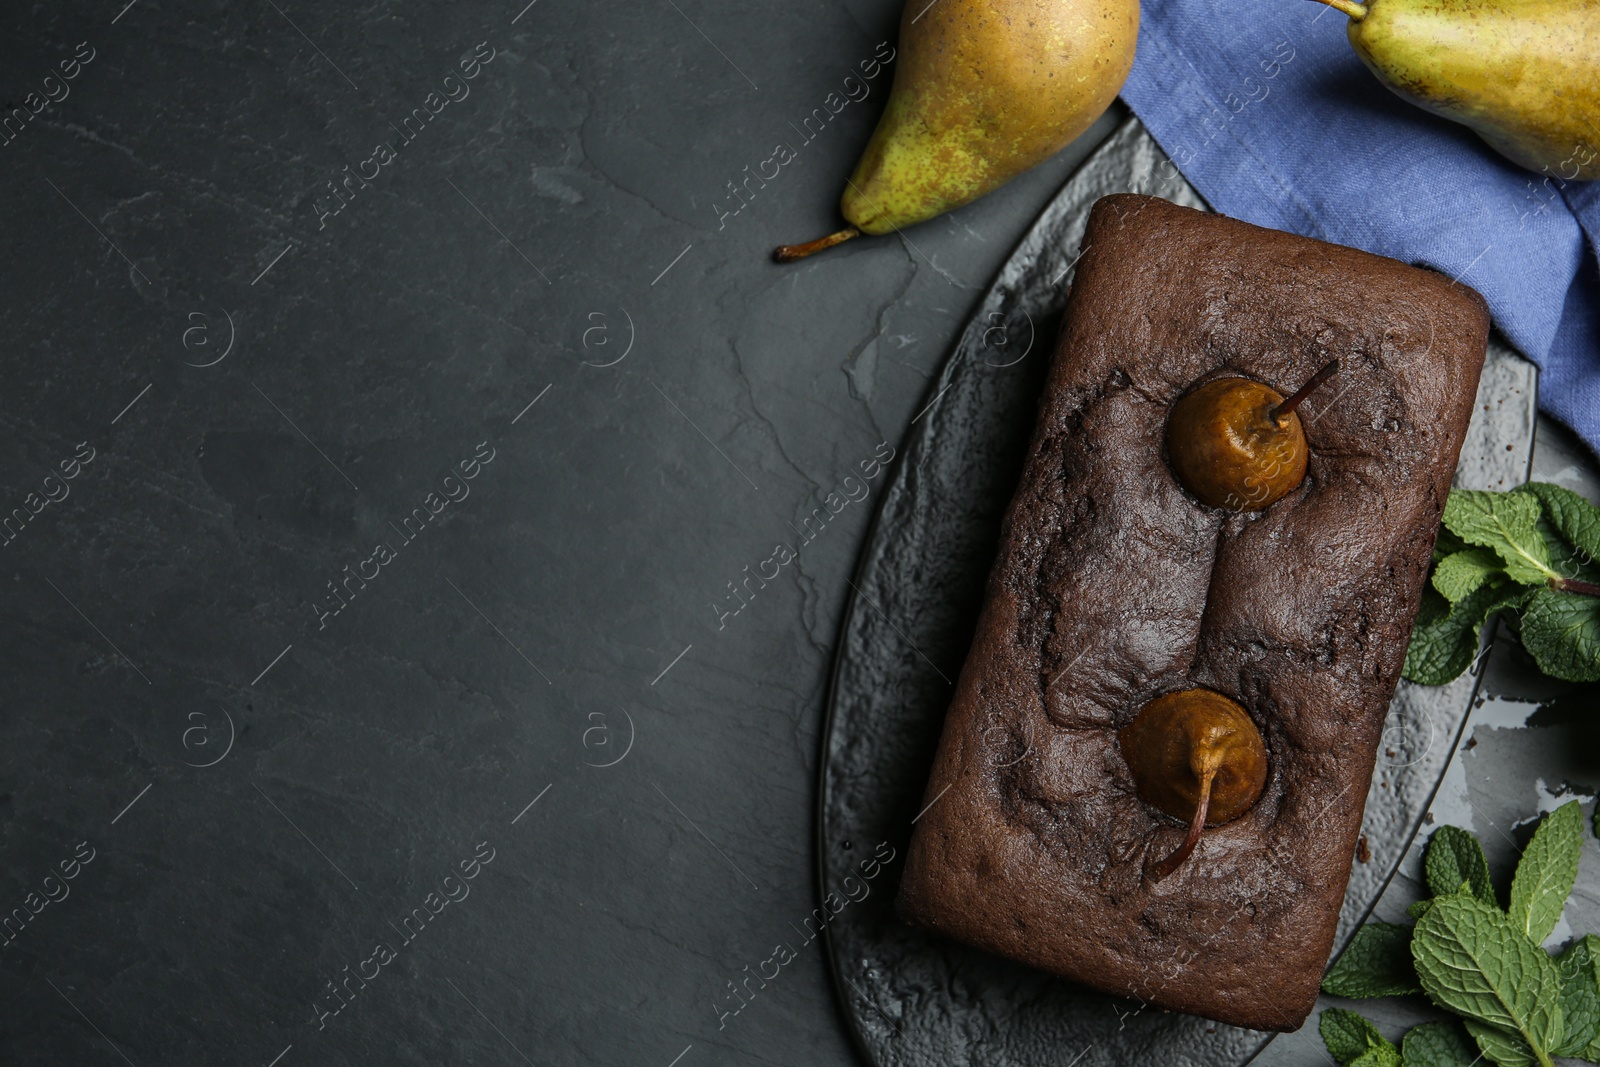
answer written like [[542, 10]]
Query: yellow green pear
[[1524, 74], [984, 90]]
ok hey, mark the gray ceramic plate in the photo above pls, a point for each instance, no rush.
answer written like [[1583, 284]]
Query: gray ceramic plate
[[914, 1000]]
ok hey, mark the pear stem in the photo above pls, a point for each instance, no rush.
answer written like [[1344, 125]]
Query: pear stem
[[1196, 826], [1349, 7], [790, 253], [1281, 412]]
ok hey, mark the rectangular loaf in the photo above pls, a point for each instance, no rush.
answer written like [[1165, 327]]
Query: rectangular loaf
[[1113, 586]]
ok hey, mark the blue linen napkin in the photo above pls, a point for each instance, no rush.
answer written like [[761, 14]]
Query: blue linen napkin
[[1269, 113]]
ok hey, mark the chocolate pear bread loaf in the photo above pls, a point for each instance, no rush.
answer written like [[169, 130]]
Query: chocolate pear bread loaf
[[1114, 588]]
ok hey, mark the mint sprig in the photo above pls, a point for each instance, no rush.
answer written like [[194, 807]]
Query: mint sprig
[[1518, 1005], [1529, 554]]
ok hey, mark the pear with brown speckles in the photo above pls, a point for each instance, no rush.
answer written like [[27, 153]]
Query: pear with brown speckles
[[1524, 74], [984, 90]]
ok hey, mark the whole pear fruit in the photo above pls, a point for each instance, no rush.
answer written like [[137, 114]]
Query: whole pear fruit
[[984, 90], [1523, 74]]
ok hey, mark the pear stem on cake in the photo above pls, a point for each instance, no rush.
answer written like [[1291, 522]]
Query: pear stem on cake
[[1349, 7], [790, 253], [1281, 412], [1197, 825]]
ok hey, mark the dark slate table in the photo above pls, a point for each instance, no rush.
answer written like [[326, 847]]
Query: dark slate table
[[397, 400]]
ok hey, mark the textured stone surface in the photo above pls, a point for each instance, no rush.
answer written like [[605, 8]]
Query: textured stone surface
[[176, 187]]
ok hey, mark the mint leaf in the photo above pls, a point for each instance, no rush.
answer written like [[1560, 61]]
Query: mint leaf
[[1446, 639], [1472, 960], [1437, 1045], [1505, 522], [1419, 908], [1546, 872], [1580, 996], [1459, 573], [1349, 1036], [1574, 518], [1562, 633], [1442, 646], [1378, 1057], [1566, 560], [1592, 1053], [1446, 544], [1377, 964], [1592, 947], [1499, 1046], [1454, 856]]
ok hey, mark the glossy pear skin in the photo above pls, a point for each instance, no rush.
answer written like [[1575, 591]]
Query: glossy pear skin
[[1174, 736], [985, 89], [1225, 448], [1524, 74]]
